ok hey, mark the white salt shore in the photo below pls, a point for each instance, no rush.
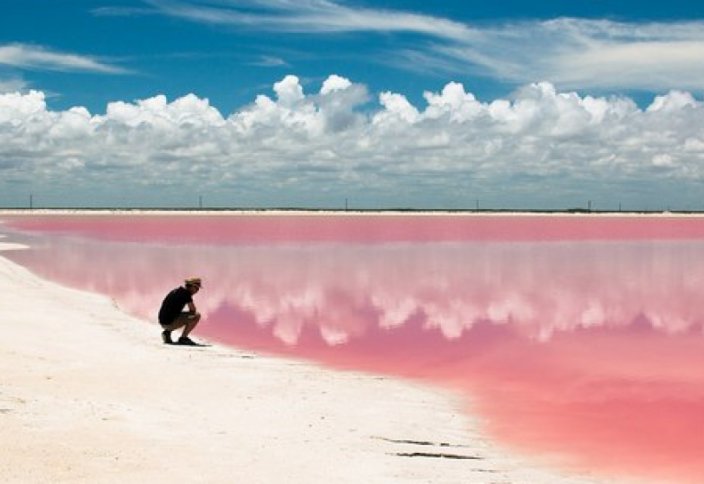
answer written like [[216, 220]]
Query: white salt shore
[[89, 394], [342, 213]]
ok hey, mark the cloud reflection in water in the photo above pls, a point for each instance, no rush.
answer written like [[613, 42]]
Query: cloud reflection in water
[[344, 289]]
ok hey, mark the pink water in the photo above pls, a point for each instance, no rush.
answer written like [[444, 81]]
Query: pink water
[[579, 339]]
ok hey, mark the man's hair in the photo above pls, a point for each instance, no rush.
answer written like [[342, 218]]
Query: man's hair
[[193, 281]]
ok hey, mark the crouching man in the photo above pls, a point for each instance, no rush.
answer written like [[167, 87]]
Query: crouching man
[[172, 316]]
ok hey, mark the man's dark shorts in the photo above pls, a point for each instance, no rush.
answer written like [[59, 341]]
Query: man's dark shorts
[[181, 320]]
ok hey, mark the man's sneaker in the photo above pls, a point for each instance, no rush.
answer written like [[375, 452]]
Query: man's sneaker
[[185, 340], [166, 337]]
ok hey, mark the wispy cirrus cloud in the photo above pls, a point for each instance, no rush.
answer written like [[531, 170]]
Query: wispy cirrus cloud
[[12, 84], [270, 61], [569, 52], [122, 11], [33, 57], [310, 16], [579, 53]]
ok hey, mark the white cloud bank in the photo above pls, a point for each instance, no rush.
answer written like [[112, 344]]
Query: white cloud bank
[[542, 148]]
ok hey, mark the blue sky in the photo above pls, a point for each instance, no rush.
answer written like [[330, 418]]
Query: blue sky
[[528, 98]]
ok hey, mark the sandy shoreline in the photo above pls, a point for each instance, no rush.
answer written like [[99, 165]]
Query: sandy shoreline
[[341, 213], [89, 394]]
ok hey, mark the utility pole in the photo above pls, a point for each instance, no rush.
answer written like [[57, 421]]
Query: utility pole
[[200, 201], [31, 201], [589, 206], [346, 205]]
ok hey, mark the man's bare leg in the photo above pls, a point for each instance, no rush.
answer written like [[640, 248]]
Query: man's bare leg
[[190, 325]]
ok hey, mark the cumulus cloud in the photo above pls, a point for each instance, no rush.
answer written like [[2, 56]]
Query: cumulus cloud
[[544, 147], [36, 57], [335, 83]]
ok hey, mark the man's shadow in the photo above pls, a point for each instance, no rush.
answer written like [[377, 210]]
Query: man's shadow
[[194, 345]]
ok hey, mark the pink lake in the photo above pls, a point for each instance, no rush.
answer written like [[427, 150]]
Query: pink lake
[[576, 339]]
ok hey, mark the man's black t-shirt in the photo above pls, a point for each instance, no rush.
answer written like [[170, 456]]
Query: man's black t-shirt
[[173, 304]]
